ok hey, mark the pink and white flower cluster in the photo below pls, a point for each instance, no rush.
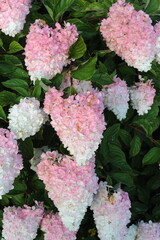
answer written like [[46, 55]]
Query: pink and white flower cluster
[[116, 98], [71, 187], [130, 34], [46, 50], [21, 223], [55, 230], [26, 118], [142, 96], [157, 30], [10, 161], [13, 15], [148, 231], [78, 121], [111, 213]]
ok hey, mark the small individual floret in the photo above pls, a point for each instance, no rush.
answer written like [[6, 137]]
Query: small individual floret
[[111, 213], [55, 230], [37, 157], [157, 30], [142, 96], [13, 15], [21, 223], [130, 34], [80, 86], [148, 231], [71, 187], [116, 98], [10, 161], [46, 50], [78, 121], [26, 118]]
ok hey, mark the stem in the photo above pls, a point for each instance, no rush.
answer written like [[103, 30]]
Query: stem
[[44, 86]]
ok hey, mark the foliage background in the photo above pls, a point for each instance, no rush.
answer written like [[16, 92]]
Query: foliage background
[[129, 154]]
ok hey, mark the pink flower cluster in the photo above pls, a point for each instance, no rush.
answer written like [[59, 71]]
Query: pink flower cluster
[[78, 121], [12, 15], [142, 96], [55, 230], [21, 223], [46, 50], [157, 30], [130, 34], [71, 187], [148, 231], [111, 213], [116, 98], [10, 161]]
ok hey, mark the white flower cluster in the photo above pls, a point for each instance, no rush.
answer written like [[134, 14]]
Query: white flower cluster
[[26, 118], [116, 98], [10, 161], [111, 213], [21, 223], [142, 96], [148, 231], [131, 233]]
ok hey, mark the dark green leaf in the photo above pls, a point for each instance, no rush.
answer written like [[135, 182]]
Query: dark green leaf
[[15, 47], [123, 178], [78, 49], [2, 113], [86, 70], [15, 82], [26, 148], [135, 146], [152, 156], [7, 98]]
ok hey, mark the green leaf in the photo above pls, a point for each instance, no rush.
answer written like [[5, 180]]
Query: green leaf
[[21, 91], [19, 73], [6, 68], [154, 182], [26, 148], [139, 208], [7, 98], [123, 178], [118, 158], [152, 156], [15, 47], [78, 49], [37, 91], [86, 70], [2, 113], [1, 43], [102, 78], [15, 82], [125, 137], [152, 6], [146, 125], [11, 59], [135, 146]]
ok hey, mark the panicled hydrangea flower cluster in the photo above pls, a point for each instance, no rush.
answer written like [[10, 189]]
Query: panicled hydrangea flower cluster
[[157, 30], [37, 157], [111, 213], [46, 50], [130, 34], [78, 121], [142, 96], [26, 118], [55, 230], [10, 161], [131, 233], [21, 223], [13, 15], [116, 98], [71, 187], [148, 231], [80, 86]]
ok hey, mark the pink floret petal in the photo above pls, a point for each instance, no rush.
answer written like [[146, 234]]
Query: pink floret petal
[[130, 34], [46, 50], [111, 213], [10, 161], [54, 229], [70, 187], [13, 15], [21, 223], [116, 98], [78, 121]]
